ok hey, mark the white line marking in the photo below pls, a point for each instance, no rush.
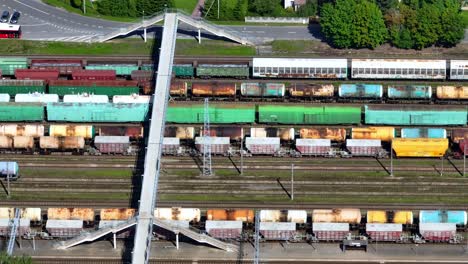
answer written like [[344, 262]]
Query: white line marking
[[35, 25], [32, 7], [291, 32]]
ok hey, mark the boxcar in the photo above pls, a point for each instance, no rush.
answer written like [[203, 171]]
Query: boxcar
[[459, 69], [414, 116], [183, 70], [239, 71], [219, 114], [9, 65], [90, 112], [94, 75], [21, 112], [109, 88], [320, 115], [63, 66], [12, 87], [34, 74], [120, 69], [397, 69], [300, 68]]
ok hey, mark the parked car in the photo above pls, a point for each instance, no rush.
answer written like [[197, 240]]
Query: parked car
[[5, 16], [15, 17]]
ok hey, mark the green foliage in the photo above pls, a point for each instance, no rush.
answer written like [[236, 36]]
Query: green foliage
[[76, 3], [234, 10], [131, 8], [149, 7], [353, 24], [385, 5], [5, 259], [309, 9], [265, 7]]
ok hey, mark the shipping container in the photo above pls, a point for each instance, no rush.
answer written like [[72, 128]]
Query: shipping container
[[360, 90], [182, 133], [223, 70], [395, 217], [143, 75], [24, 227], [333, 134], [330, 231], [365, 147], [452, 92], [120, 68], [94, 75], [384, 232], [6, 142], [263, 89], [295, 216], [85, 98], [312, 90], [90, 112], [171, 146], [131, 99], [109, 88], [391, 115], [85, 131], [323, 115], [23, 142], [214, 89], [13, 87], [9, 65], [21, 112], [423, 132], [178, 214], [22, 130], [351, 216], [278, 231], [300, 68], [116, 214], [314, 146], [443, 216], [459, 69], [409, 92], [135, 132], [62, 143], [420, 147], [183, 70], [84, 214], [459, 134], [438, 232], [398, 69], [9, 168], [178, 88], [64, 228], [112, 144], [263, 145], [36, 98], [31, 74], [4, 98], [219, 145], [65, 67], [219, 114], [234, 133], [285, 134], [381, 133], [224, 229], [243, 215]]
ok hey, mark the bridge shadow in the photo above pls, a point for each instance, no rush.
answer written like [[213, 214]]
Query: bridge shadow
[[284, 188], [455, 166], [382, 165]]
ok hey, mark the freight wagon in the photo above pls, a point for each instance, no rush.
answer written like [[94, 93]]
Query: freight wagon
[[397, 69], [13, 87], [223, 70], [299, 68], [65, 67], [219, 114], [120, 69], [109, 88]]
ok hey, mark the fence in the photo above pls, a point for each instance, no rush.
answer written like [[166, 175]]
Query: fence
[[295, 20]]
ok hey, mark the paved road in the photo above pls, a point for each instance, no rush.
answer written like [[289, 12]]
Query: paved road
[[44, 22]]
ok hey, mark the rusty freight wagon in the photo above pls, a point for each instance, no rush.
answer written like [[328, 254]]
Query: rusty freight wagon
[[65, 67]]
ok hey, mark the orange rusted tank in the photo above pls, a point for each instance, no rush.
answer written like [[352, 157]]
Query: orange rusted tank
[[6, 142], [334, 134], [22, 142], [352, 216], [230, 215], [117, 214], [312, 90], [61, 142], [452, 92], [382, 133], [214, 89], [178, 88], [85, 214], [181, 133], [22, 130], [84, 131]]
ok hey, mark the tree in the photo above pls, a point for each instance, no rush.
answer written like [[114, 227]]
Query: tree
[[76, 3], [5, 259], [265, 7], [308, 9], [428, 27], [452, 26], [149, 7], [353, 24], [385, 5]]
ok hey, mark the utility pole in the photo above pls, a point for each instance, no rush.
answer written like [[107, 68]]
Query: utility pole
[[442, 166], [218, 9], [257, 237], [242, 154], [144, 28], [8, 180], [84, 6], [207, 171], [464, 156], [391, 158], [292, 181]]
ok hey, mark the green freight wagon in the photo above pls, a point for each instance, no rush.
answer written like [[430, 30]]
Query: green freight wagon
[[147, 67], [223, 70], [109, 88], [219, 114], [13, 87], [97, 112], [421, 115], [120, 69], [16, 112], [183, 70], [301, 115], [9, 65]]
